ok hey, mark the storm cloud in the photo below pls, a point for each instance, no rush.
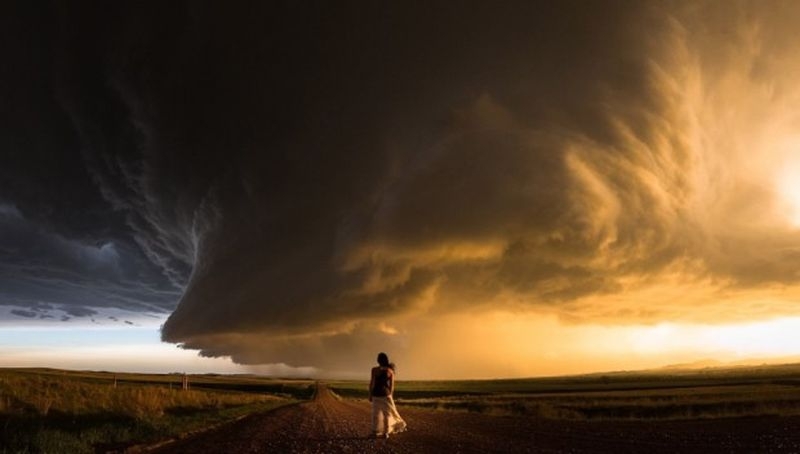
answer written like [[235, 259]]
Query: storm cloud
[[300, 183]]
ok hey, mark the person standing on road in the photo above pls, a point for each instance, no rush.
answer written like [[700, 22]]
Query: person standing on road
[[381, 387]]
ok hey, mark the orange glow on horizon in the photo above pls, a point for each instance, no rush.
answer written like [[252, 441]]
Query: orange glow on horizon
[[505, 344]]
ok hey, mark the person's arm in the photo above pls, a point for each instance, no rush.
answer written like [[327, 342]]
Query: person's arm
[[371, 383], [391, 382]]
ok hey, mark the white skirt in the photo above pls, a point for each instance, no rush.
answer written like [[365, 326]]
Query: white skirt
[[396, 423], [385, 418]]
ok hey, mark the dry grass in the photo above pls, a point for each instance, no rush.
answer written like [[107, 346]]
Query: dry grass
[[84, 412], [44, 395]]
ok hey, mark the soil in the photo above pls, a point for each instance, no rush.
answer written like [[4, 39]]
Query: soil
[[328, 424]]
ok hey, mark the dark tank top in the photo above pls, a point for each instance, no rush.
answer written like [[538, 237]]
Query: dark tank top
[[382, 385]]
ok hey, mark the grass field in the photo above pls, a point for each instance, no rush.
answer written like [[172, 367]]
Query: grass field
[[52, 411], [707, 393]]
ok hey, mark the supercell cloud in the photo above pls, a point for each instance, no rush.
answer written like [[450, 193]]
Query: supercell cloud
[[302, 183]]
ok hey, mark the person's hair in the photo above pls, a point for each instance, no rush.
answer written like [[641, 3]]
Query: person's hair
[[383, 359], [392, 366]]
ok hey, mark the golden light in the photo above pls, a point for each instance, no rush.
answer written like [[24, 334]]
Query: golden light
[[776, 337], [503, 344], [763, 339], [789, 188]]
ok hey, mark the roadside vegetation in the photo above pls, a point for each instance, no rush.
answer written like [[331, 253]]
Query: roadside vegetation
[[658, 395], [50, 411]]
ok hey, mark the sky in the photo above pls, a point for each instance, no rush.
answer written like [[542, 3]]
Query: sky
[[478, 189]]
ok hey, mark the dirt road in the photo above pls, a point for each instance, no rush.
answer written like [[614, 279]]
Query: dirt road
[[330, 425]]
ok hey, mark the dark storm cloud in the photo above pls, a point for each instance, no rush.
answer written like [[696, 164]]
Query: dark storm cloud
[[39, 266], [296, 169], [80, 311], [37, 310], [62, 239], [365, 162], [42, 307], [24, 313]]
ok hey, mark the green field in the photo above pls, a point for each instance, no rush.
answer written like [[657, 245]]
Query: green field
[[53, 411], [707, 393]]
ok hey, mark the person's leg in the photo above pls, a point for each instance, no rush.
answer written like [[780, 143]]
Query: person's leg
[[386, 419], [375, 415]]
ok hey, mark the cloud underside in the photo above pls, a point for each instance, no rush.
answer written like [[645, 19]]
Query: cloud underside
[[317, 194]]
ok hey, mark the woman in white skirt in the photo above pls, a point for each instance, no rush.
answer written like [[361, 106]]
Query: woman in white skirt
[[385, 418]]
